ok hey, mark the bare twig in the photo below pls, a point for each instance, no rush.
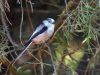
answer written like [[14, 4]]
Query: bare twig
[[3, 10], [31, 4], [21, 23], [54, 66], [7, 31], [94, 56], [41, 61], [25, 50], [30, 21]]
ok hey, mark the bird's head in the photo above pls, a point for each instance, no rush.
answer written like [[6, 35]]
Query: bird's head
[[49, 21]]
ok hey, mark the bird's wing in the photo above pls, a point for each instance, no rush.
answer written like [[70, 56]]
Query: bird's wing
[[38, 31]]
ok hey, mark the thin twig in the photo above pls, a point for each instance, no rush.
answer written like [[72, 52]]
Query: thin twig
[[21, 23], [30, 21], [27, 48], [3, 10], [41, 62], [63, 23], [54, 66], [31, 4], [96, 53], [34, 57], [7, 31]]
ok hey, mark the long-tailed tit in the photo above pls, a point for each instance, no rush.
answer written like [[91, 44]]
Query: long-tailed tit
[[42, 33]]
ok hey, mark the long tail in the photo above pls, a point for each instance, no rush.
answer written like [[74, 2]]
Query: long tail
[[25, 49]]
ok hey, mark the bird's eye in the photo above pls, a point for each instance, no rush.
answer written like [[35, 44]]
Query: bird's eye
[[50, 20]]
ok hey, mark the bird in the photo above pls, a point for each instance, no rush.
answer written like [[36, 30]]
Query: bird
[[42, 33]]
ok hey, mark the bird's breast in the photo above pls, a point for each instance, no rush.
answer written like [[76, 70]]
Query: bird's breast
[[41, 38], [50, 30]]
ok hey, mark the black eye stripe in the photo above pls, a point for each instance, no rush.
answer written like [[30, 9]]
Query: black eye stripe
[[50, 21]]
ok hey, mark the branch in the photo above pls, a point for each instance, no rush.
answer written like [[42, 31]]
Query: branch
[[6, 30]]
